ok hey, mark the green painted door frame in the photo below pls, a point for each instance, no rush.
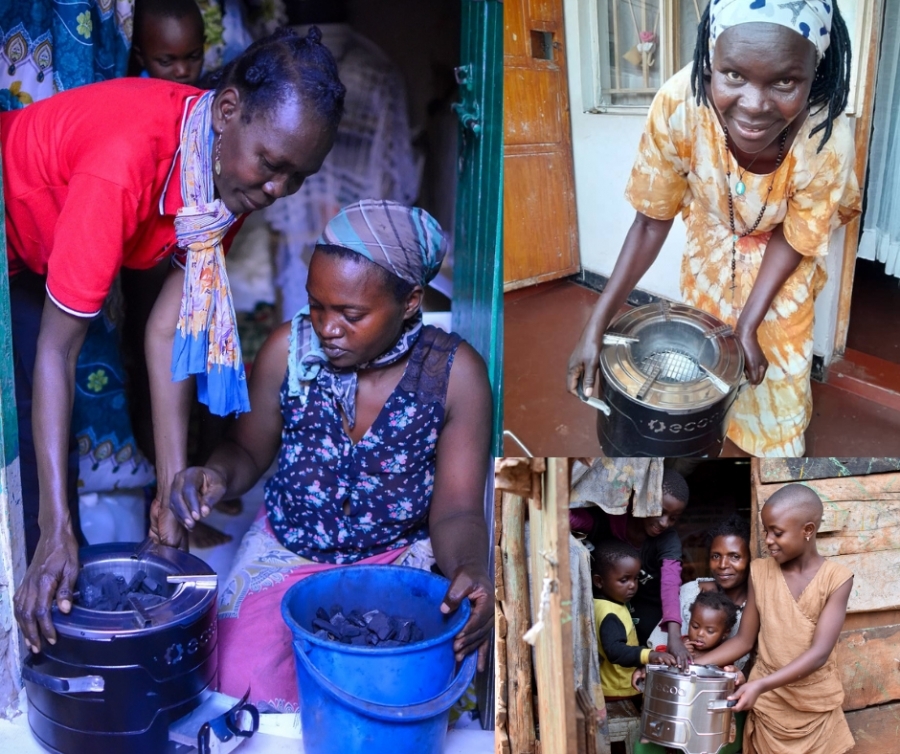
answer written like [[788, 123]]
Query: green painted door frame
[[12, 539], [478, 268]]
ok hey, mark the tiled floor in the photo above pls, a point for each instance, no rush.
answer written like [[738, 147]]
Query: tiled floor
[[541, 326]]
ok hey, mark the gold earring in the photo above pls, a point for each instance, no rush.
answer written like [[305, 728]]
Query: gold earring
[[217, 165]]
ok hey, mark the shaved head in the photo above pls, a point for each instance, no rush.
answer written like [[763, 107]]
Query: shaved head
[[799, 501]]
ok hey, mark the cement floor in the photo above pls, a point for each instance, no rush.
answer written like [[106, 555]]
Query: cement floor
[[541, 327]]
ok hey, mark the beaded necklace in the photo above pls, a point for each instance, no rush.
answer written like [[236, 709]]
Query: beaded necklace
[[734, 234]]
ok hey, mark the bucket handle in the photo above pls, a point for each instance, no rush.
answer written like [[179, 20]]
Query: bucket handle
[[409, 713], [76, 685]]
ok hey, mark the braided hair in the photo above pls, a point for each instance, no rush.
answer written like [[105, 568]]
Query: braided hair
[[830, 87], [674, 484], [283, 66]]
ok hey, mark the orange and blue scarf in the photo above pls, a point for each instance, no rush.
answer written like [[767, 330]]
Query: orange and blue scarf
[[206, 341]]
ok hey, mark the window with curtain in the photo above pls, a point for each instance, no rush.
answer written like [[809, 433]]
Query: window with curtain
[[880, 239]]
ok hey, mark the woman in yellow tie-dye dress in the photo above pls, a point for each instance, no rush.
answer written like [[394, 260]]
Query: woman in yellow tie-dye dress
[[750, 145]]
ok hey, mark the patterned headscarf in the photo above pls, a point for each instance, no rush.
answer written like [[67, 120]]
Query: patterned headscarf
[[407, 242], [206, 341], [809, 18]]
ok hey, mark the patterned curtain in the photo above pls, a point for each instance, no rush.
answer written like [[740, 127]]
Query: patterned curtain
[[881, 222], [48, 47]]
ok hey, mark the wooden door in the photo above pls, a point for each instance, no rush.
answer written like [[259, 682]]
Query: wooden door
[[478, 269], [539, 227]]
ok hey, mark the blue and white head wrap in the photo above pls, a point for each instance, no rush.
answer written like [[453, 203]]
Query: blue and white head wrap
[[809, 18]]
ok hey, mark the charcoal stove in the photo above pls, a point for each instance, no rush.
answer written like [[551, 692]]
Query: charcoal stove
[[669, 373], [115, 681]]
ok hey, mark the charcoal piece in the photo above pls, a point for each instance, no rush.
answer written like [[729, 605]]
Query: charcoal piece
[[356, 618], [417, 634], [389, 643], [152, 586], [323, 625], [348, 630], [321, 614], [378, 623], [335, 609], [360, 641], [136, 580], [404, 633]]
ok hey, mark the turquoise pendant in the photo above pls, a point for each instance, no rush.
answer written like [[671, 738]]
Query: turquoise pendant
[[740, 188]]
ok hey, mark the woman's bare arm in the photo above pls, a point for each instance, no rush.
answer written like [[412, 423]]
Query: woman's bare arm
[[249, 447], [779, 262], [640, 249], [456, 521], [828, 628], [54, 568]]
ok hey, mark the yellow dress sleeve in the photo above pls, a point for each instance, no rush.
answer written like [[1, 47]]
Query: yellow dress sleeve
[[658, 183], [824, 193]]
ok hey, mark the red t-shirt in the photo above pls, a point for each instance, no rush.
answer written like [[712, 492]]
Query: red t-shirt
[[83, 177]]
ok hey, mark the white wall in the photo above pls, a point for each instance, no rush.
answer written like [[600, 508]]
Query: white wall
[[603, 149]]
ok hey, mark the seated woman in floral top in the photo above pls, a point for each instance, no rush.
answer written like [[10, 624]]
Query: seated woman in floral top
[[382, 430]]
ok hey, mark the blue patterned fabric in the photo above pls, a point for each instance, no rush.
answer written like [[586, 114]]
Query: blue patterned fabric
[[48, 46], [809, 18], [386, 479]]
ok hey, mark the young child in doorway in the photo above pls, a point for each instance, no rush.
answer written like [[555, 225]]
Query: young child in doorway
[[168, 40], [795, 609], [712, 616], [615, 573]]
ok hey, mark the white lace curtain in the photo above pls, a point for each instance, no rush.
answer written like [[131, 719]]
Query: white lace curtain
[[881, 222]]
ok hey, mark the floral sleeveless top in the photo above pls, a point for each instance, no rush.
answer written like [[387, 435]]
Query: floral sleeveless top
[[385, 481]]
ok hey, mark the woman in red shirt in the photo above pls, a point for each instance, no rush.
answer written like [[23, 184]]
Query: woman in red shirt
[[122, 174]]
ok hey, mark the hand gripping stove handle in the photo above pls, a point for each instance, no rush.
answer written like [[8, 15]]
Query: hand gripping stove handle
[[593, 402], [720, 705], [77, 685]]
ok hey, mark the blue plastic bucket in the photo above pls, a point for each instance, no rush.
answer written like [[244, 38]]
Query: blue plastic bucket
[[366, 699]]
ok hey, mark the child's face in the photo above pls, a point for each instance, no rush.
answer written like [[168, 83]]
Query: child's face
[[760, 81], [171, 49], [620, 582], [786, 532], [672, 510], [707, 627]]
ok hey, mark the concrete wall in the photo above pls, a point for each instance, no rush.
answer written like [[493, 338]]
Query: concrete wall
[[603, 148]]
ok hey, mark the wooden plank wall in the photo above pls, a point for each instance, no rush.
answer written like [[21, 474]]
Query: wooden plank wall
[[861, 530], [549, 555]]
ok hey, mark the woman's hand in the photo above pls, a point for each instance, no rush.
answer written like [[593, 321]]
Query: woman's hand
[[50, 576], [747, 695], [194, 492], [755, 361], [585, 359], [164, 526], [474, 584], [739, 677]]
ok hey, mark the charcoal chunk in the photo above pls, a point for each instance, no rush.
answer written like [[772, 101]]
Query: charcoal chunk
[[373, 628], [111, 592]]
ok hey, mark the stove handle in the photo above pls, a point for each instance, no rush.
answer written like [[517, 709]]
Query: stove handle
[[79, 685], [721, 704]]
